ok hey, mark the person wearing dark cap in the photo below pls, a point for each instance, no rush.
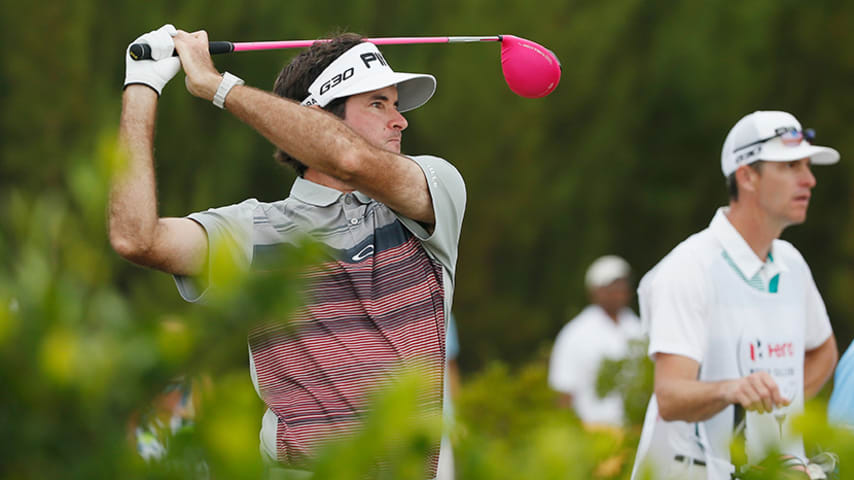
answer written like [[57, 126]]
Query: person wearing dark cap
[[735, 320]]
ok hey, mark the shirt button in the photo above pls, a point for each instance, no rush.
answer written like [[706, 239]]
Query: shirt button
[[354, 221], [348, 200]]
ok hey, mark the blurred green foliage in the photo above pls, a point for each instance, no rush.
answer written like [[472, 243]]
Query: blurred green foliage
[[631, 377], [622, 158], [79, 354], [510, 425]]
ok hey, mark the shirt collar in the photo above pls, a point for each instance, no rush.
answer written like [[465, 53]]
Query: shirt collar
[[362, 197], [320, 195], [739, 251]]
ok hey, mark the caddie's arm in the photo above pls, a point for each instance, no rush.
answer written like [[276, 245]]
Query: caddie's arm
[[818, 366], [174, 245], [682, 397], [318, 139]]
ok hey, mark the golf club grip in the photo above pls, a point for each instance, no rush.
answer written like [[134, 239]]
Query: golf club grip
[[142, 51]]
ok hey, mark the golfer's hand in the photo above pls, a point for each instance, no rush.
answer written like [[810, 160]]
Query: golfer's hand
[[202, 77], [757, 392], [161, 68]]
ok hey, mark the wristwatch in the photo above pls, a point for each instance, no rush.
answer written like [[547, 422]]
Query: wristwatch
[[228, 82]]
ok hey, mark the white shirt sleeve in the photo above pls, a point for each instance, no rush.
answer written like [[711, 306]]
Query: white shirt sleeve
[[566, 365], [674, 299]]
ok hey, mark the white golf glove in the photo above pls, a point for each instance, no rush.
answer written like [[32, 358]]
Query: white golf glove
[[161, 68]]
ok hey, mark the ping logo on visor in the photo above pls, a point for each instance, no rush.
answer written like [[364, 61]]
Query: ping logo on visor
[[359, 69], [363, 69], [367, 58]]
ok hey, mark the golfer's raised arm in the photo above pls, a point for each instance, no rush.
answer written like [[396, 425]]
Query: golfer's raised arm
[[326, 144], [174, 245], [320, 140]]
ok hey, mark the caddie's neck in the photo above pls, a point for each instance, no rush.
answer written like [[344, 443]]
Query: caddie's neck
[[321, 178], [757, 228]]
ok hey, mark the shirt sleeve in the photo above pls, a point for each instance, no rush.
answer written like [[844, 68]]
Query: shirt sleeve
[[674, 301], [230, 245], [453, 340], [566, 365], [448, 194]]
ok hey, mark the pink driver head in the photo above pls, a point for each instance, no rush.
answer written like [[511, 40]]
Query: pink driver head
[[530, 69]]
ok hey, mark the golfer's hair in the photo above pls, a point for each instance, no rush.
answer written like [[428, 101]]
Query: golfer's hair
[[293, 81], [732, 184]]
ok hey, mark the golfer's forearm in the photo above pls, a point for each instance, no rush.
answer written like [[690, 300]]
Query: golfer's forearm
[[133, 202], [690, 400], [316, 137], [818, 366], [324, 143]]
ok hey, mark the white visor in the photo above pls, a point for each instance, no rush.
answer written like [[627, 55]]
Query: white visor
[[363, 69]]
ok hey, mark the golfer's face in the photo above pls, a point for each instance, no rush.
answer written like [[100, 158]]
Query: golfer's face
[[785, 188], [374, 116]]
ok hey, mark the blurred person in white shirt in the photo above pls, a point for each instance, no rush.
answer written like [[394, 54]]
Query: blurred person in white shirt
[[601, 331]]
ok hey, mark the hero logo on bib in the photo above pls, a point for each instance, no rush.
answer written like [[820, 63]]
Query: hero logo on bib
[[775, 356]]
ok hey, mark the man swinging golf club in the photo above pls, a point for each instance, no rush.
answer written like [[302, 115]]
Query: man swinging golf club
[[383, 298]]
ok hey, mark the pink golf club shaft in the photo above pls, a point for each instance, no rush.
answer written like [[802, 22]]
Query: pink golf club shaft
[[141, 51], [247, 46]]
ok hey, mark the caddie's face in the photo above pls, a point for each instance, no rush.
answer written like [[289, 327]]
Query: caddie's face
[[784, 190], [374, 116]]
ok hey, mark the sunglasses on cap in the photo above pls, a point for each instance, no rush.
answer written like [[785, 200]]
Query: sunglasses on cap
[[790, 136]]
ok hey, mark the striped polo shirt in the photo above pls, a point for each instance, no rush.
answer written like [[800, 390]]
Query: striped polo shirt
[[377, 305]]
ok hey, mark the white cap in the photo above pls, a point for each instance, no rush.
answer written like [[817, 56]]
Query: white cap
[[605, 270], [363, 69], [760, 136]]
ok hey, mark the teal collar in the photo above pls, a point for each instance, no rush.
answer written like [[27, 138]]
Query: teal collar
[[739, 252]]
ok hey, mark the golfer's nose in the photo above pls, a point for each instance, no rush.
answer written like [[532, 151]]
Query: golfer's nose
[[398, 121]]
